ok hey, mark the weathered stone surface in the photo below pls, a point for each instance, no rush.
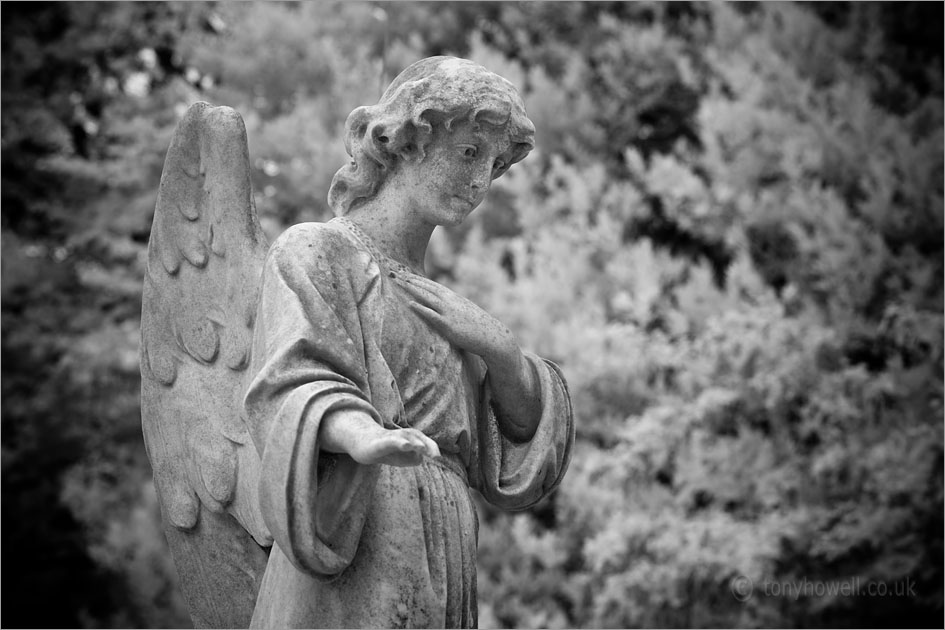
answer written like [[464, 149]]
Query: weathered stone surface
[[374, 397], [205, 258]]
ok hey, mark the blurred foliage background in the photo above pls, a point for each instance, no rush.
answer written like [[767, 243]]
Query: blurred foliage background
[[729, 237]]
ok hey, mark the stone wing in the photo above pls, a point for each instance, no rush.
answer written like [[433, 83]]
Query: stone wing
[[205, 259]]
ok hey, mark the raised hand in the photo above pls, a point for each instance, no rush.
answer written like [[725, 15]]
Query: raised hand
[[466, 325], [514, 386]]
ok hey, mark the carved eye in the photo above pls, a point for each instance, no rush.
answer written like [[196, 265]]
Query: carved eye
[[469, 150], [498, 165]]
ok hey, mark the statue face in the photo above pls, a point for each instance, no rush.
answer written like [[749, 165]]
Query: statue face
[[456, 172]]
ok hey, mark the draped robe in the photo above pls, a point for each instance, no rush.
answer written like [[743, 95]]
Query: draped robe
[[375, 545]]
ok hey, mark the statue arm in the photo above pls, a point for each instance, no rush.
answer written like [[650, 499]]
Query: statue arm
[[525, 428], [514, 381], [515, 475], [308, 365], [516, 393]]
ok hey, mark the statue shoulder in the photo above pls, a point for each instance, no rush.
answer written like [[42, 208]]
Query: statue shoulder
[[321, 252]]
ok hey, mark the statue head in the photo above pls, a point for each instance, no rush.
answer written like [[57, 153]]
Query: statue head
[[426, 99]]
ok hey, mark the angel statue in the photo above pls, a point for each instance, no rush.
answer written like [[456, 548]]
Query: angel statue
[[316, 412]]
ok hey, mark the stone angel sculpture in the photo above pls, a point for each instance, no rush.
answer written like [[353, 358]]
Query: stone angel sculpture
[[316, 412]]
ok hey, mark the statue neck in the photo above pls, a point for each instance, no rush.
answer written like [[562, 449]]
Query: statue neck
[[397, 231]]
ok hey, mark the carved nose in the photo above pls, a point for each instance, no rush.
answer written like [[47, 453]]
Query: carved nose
[[479, 183]]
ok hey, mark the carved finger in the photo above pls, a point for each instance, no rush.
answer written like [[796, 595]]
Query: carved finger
[[432, 448], [425, 296], [407, 450], [430, 315], [434, 289], [420, 281], [442, 297], [410, 443], [424, 444]]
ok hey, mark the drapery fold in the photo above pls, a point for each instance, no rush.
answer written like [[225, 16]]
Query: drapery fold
[[513, 475], [309, 362], [353, 542]]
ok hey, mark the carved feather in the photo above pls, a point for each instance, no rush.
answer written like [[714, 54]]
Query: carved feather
[[205, 259]]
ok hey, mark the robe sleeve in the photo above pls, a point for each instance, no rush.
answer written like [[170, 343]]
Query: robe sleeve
[[307, 362], [515, 476]]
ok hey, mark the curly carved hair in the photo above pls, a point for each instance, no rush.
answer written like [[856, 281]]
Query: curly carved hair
[[431, 92]]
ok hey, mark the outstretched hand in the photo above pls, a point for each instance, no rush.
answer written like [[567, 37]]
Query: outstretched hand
[[463, 323], [367, 442], [394, 447]]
